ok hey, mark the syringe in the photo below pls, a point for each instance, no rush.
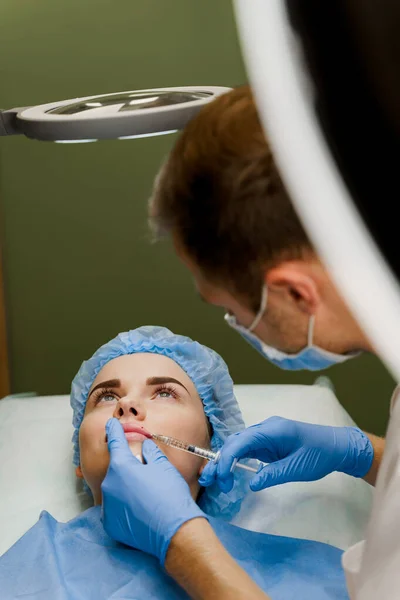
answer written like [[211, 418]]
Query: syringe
[[192, 449]]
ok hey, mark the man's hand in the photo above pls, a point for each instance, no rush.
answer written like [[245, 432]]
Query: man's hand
[[143, 505], [295, 451]]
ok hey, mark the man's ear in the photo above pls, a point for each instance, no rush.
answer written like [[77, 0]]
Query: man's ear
[[298, 281], [78, 472]]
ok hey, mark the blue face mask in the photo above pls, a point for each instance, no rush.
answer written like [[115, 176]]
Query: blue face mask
[[311, 358]]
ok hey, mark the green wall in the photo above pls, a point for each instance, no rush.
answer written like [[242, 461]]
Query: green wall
[[79, 265]]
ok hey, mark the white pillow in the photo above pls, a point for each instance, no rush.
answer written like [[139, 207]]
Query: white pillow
[[36, 464], [37, 473]]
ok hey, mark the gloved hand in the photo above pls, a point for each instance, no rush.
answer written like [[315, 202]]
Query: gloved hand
[[143, 505], [296, 452]]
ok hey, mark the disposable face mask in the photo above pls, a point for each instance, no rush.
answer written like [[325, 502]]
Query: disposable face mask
[[311, 358]]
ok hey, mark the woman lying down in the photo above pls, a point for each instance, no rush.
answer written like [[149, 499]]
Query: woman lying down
[[153, 381]]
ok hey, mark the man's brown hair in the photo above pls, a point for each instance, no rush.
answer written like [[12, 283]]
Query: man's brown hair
[[221, 195]]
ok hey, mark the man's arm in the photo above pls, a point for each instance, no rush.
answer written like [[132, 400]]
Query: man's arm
[[378, 444], [204, 569]]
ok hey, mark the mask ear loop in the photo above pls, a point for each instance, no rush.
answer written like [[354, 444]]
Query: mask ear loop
[[263, 306], [310, 335]]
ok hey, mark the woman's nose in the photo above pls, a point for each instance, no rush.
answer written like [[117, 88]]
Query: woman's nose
[[129, 406]]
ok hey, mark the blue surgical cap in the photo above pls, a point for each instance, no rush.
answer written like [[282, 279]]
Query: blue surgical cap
[[213, 383]]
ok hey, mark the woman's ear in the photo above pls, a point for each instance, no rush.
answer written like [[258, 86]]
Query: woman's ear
[[78, 472]]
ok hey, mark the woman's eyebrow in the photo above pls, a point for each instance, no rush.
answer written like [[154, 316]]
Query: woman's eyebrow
[[111, 383], [161, 380]]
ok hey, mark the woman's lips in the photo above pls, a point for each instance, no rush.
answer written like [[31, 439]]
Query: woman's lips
[[135, 433]]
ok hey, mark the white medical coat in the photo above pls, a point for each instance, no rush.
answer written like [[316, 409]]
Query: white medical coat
[[372, 566]]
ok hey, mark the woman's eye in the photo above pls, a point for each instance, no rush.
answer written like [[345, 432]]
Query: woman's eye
[[106, 397], [166, 392]]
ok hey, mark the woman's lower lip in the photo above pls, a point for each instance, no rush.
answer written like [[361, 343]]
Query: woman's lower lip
[[133, 436]]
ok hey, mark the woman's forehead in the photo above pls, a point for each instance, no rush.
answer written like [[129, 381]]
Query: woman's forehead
[[138, 367]]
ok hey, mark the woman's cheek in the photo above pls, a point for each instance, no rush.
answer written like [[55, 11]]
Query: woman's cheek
[[179, 422], [94, 455], [188, 466], [187, 426]]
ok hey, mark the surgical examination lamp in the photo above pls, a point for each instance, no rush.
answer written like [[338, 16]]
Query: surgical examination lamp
[[123, 115]]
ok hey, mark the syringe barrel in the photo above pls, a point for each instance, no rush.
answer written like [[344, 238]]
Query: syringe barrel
[[208, 454]]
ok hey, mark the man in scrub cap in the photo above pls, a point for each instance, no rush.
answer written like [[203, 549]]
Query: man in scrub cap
[[152, 381]]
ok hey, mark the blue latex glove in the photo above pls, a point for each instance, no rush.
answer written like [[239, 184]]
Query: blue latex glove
[[296, 452], [143, 505]]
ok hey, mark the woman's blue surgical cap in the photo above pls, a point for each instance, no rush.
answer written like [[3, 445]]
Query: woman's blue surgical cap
[[213, 383]]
